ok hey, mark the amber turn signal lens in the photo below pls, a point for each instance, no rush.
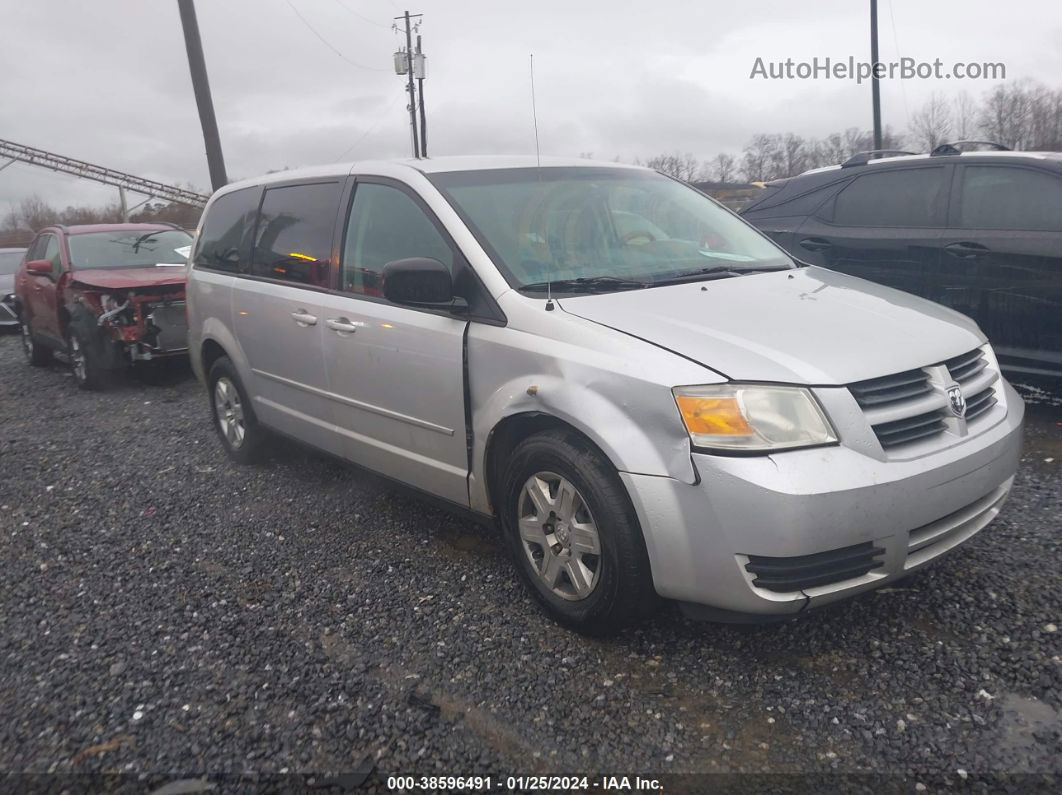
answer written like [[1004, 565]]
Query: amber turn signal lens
[[713, 416]]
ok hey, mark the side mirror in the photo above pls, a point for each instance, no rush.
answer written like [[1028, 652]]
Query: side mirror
[[422, 282], [39, 267]]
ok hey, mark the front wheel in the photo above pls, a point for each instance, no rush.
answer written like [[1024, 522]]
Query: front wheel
[[85, 363], [574, 537], [36, 354]]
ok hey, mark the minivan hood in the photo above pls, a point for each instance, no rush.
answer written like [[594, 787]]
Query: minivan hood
[[805, 326], [130, 278]]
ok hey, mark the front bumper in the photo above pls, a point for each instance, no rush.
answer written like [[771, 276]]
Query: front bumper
[[701, 538], [8, 312]]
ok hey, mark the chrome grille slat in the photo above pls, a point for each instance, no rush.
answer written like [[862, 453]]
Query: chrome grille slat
[[891, 388], [965, 367], [980, 403]]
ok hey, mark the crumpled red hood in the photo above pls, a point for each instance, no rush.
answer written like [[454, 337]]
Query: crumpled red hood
[[129, 278]]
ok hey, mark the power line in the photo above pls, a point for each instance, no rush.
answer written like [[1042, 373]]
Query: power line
[[363, 18], [371, 129], [326, 43]]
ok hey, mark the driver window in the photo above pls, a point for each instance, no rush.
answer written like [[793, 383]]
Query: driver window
[[51, 253], [385, 225]]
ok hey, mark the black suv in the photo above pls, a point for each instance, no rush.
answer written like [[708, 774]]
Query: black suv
[[977, 231]]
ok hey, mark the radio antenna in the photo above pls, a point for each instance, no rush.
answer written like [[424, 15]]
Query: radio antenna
[[538, 163], [534, 111]]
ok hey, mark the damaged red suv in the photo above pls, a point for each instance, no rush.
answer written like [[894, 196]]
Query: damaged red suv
[[103, 296]]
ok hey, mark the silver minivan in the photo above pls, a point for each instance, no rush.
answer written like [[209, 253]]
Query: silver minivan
[[648, 396]]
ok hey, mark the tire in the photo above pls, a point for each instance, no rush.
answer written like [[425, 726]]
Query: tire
[[86, 363], [595, 594], [243, 438], [36, 354]]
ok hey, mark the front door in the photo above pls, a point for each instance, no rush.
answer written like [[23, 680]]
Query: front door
[[279, 314], [396, 373], [43, 294]]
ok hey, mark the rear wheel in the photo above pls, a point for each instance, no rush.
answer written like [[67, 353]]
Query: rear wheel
[[241, 435], [36, 354], [574, 537]]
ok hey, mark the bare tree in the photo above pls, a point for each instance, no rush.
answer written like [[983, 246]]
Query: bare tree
[[964, 116], [680, 166], [723, 168], [931, 125]]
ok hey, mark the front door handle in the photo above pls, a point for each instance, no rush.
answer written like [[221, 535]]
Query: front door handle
[[342, 325], [815, 244], [304, 318], [966, 250]]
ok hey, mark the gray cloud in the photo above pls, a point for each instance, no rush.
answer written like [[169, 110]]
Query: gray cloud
[[108, 82]]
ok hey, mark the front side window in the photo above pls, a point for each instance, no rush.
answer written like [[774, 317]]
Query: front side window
[[386, 225], [582, 224], [224, 241], [129, 249], [293, 239], [1002, 197], [51, 253], [905, 198]]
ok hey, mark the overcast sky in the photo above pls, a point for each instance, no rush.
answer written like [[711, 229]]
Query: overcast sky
[[108, 81]]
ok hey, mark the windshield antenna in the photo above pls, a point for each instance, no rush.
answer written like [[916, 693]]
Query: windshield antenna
[[538, 163]]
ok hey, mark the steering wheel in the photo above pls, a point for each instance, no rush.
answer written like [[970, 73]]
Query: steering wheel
[[638, 234]]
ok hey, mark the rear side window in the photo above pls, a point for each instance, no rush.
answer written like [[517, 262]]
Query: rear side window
[[224, 242], [1002, 197], [293, 239], [385, 225], [910, 197]]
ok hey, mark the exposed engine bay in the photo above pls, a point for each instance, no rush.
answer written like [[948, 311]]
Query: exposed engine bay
[[145, 324]]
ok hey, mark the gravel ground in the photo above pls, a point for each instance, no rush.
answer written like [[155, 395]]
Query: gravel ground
[[165, 613]]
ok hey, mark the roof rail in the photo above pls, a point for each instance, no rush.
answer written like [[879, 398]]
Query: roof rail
[[953, 147], [862, 158]]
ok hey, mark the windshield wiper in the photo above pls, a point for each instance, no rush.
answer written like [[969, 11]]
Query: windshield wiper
[[709, 273], [586, 284]]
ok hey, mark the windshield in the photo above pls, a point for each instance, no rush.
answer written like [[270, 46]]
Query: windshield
[[129, 249], [9, 261], [617, 228]]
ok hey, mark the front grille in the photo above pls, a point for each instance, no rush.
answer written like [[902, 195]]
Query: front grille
[[963, 368], [891, 388], [912, 406], [784, 575], [980, 403]]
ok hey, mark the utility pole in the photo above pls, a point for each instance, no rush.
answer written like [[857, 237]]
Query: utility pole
[[875, 85], [421, 70], [409, 73], [201, 87]]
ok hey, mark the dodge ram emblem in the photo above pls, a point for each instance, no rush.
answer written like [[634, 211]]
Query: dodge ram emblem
[[956, 401]]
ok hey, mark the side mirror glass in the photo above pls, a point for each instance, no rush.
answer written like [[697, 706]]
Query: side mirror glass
[[419, 281]]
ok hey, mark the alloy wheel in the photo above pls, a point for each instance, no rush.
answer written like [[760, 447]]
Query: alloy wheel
[[77, 359], [559, 536], [229, 411], [27, 340]]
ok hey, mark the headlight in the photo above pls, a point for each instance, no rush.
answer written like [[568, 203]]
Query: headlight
[[752, 418]]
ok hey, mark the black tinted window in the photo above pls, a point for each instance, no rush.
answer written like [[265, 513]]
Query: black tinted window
[[51, 253], [293, 240], [910, 197], [1000, 197], [386, 225], [224, 241]]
